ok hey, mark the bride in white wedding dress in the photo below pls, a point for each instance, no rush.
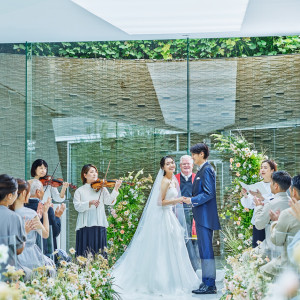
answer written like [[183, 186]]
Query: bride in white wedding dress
[[157, 262]]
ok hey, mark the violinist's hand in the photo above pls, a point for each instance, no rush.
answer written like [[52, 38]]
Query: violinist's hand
[[187, 200], [65, 184], [94, 202], [60, 210], [118, 184]]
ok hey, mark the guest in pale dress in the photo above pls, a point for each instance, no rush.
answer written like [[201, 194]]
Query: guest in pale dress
[[32, 256]]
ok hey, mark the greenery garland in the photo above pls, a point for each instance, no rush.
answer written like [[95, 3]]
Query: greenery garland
[[165, 49]]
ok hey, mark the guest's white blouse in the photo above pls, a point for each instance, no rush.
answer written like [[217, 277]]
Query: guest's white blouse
[[92, 216]]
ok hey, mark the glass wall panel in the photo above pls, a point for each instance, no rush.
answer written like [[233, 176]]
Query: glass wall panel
[[96, 110], [12, 117], [133, 112]]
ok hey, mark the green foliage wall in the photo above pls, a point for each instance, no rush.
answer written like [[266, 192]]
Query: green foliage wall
[[169, 49]]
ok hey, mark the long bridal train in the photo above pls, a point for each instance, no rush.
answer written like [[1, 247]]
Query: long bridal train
[[156, 261]]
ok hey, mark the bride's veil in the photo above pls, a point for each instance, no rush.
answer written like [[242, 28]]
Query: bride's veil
[[150, 219], [152, 210]]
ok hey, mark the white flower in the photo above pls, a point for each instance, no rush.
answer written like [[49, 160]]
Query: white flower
[[3, 254], [240, 236], [69, 294], [51, 282], [63, 263], [10, 269], [254, 176], [240, 247], [72, 250], [35, 282]]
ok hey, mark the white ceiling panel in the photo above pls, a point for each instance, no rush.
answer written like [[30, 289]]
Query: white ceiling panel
[[99, 20], [169, 16]]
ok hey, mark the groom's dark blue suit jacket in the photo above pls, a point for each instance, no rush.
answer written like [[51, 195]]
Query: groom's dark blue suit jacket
[[204, 201]]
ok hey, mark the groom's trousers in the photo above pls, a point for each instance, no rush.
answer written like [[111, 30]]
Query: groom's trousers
[[204, 238]]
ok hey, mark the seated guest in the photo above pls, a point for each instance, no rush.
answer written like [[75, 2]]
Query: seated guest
[[295, 212], [37, 193], [11, 224], [266, 170], [284, 226], [32, 256], [280, 183]]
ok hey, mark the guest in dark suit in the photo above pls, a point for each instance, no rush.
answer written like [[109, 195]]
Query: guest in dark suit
[[204, 206], [185, 179], [37, 193]]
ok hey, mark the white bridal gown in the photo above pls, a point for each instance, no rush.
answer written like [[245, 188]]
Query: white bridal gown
[[157, 260]]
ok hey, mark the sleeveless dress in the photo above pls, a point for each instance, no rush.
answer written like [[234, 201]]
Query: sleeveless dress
[[159, 264]]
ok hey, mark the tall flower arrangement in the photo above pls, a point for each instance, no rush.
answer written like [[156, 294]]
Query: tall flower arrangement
[[245, 165], [125, 214]]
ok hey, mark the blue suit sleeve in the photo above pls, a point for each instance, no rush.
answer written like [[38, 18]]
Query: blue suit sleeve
[[208, 186], [54, 222]]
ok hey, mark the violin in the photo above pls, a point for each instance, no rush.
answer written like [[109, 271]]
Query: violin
[[48, 180], [101, 183]]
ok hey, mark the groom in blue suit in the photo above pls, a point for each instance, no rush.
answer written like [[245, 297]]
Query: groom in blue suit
[[204, 207]]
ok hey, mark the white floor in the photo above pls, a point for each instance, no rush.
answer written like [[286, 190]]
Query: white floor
[[219, 283]]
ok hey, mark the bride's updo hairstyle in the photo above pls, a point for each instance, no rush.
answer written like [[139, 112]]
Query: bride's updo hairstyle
[[162, 162]]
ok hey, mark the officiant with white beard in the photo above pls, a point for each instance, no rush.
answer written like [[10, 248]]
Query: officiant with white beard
[[267, 168], [185, 179]]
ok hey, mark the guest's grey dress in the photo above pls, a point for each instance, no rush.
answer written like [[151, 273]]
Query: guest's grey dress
[[32, 256], [11, 225]]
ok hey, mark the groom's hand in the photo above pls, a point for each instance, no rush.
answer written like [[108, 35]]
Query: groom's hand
[[187, 200]]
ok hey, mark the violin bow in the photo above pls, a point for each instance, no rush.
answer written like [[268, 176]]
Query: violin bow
[[53, 174], [104, 179]]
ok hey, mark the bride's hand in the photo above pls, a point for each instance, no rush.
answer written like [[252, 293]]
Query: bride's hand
[[180, 200], [187, 200]]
